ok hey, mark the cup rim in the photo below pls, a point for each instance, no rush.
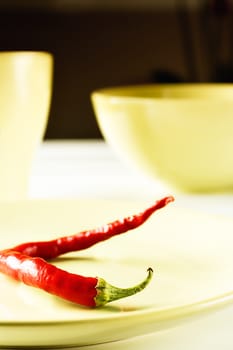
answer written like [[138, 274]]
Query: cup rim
[[25, 52]]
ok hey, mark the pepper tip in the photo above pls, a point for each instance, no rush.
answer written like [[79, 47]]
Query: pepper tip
[[170, 199]]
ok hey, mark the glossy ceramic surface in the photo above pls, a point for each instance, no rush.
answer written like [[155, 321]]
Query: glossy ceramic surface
[[180, 134], [190, 253]]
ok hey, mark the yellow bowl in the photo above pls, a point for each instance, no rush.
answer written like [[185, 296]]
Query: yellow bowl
[[179, 133]]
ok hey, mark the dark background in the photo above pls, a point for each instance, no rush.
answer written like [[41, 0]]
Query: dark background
[[97, 44]]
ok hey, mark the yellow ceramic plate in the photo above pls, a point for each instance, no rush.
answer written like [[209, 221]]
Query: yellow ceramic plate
[[191, 255]]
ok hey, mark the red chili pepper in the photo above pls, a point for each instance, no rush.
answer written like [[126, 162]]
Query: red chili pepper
[[87, 291], [26, 263], [85, 239]]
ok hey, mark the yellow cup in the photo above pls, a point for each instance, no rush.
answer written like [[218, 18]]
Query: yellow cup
[[25, 95]]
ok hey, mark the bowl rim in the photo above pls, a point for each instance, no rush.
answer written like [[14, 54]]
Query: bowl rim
[[118, 92]]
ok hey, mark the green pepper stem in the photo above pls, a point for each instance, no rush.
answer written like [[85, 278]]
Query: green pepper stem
[[107, 293]]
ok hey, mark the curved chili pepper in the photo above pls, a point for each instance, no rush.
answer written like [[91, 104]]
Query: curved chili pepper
[[26, 262], [85, 239], [86, 291]]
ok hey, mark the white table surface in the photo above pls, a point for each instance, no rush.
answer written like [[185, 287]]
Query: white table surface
[[90, 169]]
